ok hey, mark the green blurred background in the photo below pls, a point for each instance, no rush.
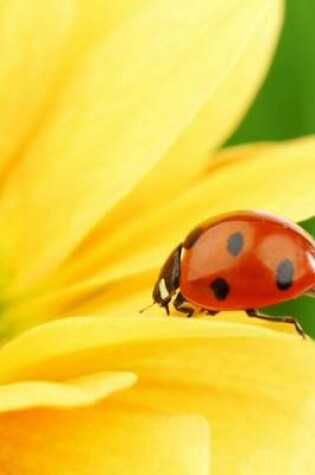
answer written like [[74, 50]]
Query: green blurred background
[[285, 109]]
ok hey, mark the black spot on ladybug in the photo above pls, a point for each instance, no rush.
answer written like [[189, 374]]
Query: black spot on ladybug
[[284, 274], [192, 238], [235, 243], [220, 288]]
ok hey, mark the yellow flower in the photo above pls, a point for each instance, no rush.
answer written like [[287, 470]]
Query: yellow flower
[[234, 398], [110, 121]]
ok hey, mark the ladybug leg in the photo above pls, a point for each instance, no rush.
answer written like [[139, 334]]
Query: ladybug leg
[[292, 320], [212, 313], [179, 301], [166, 306]]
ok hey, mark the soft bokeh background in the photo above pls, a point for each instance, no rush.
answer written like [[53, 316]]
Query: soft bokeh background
[[285, 109]]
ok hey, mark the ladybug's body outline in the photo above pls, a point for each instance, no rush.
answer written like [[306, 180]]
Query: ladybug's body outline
[[242, 260]]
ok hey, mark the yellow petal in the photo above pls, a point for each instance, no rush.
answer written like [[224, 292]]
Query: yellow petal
[[95, 20], [103, 440], [258, 397], [254, 387], [224, 109], [38, 50], [53, 343], [121, 109], [80, 392], [272, 177], [32, 56]]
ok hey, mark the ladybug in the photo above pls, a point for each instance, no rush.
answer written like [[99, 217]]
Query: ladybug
[[242, 260]]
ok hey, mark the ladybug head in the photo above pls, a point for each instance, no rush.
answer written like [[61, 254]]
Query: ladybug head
[[168, 280], [161, 295]]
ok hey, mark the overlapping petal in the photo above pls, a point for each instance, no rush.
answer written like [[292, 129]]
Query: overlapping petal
[[255, 404], [88, 139]]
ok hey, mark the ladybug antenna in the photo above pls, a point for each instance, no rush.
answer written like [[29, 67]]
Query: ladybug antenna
[[146, 308]]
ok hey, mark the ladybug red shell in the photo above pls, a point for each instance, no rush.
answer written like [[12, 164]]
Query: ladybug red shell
[[239, 261]]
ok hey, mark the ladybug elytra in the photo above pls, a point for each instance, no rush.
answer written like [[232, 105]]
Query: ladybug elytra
[[238, 261]]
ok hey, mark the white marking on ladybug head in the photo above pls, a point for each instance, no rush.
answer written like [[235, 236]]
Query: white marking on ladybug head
[[163, 290]]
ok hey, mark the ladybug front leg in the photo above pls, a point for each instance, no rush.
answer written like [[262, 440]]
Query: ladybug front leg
[[178, 304], [292, 320]]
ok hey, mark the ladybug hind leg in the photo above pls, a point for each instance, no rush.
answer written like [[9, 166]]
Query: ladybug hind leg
[[179, 303], [211, 313], [292, 320]]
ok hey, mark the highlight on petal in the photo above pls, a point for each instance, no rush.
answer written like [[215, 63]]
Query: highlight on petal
[[121, 109], [80, 392], [103, 440], [304, 460]]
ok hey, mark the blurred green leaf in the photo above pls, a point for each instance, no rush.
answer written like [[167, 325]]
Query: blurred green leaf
[[285, 106]]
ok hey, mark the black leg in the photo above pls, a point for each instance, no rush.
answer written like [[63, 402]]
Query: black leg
[[166, 306], [178, 304], [292, 320], [211, 313]]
